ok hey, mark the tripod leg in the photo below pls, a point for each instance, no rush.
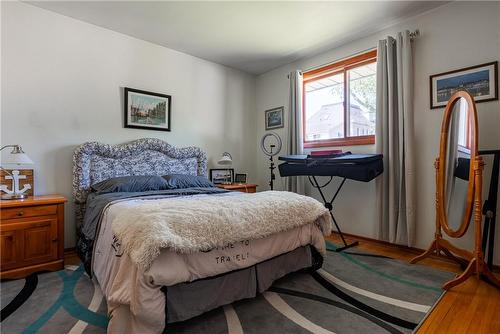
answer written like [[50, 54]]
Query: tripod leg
[[491, 242], [486, 231], [492, 210], [346, 245], [329, 206], [338, 229], [492, 279]]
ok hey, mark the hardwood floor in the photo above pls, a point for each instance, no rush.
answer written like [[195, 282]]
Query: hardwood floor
[[472, 307], [70, 257]]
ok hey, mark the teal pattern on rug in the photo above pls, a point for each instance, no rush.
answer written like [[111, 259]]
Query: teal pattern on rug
[[332, 305], [68, 301], [332, 247]]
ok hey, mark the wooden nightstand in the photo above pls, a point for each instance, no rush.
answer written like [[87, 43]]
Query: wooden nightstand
[[246, 188], [31, 235]]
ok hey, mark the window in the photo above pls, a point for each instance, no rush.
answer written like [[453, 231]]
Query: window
[[339, 103]]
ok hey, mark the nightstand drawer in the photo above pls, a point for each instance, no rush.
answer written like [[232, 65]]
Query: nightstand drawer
[[32, 211]]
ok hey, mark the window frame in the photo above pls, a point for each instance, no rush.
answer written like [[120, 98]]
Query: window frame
[[333, 69]]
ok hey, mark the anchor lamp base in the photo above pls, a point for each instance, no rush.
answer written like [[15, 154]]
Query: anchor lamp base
[[14, 196]]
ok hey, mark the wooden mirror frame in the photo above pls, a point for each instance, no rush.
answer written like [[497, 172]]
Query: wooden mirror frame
[[473, 260], [441, 162]]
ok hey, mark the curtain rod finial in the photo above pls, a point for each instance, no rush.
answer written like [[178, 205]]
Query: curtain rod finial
[[415, 34]]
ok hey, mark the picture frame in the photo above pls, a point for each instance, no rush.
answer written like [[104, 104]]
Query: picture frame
[[481, 81], [147, 110], [221, 175], [274, 118], [240, 178]]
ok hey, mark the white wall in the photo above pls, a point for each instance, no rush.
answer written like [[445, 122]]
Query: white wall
[[62, 79], [62, 85], [456, 35]]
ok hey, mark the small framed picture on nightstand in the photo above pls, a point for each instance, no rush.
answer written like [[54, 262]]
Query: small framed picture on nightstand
[[221, 175], [240, 178]]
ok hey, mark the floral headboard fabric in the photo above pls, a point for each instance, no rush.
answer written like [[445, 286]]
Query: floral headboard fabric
[[95, 162]]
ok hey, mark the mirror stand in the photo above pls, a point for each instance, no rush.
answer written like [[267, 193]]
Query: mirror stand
[[473, 261], [459, 142]]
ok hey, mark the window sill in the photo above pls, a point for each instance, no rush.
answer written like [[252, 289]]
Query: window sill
[[350, 141]]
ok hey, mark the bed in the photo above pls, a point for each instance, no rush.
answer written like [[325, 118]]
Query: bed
[[167, 255]]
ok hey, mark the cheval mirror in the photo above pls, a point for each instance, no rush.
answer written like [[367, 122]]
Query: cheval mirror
[[459, 177]]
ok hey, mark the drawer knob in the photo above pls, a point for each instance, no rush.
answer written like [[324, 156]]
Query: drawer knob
[[20, 213], [54, 240]]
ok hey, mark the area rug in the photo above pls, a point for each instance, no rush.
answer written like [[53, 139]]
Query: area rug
[[354, 292]]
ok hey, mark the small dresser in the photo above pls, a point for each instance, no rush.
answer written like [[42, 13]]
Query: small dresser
[[31, 235], [243, 187]]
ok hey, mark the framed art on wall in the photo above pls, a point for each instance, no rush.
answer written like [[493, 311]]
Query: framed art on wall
[[481, 81], [221, 175], [274, 118], [147, 110]]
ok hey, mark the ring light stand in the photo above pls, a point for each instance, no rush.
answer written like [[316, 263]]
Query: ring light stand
[[269, 152]]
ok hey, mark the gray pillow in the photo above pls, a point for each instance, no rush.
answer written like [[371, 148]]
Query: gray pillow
[[178, 181], [136, 183]]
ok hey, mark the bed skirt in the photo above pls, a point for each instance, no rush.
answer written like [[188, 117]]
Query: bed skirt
[[187, 300]]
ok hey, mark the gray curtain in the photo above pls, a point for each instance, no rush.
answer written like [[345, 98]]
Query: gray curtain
[[295, 143], [394, 139]]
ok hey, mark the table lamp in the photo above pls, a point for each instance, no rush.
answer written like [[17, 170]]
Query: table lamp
[[16, 157], [226, 160]]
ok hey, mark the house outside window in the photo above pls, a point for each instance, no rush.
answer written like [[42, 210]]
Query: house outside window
[[339, 103]]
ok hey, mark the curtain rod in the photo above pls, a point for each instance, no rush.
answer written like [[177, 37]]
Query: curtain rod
[[413, 35]]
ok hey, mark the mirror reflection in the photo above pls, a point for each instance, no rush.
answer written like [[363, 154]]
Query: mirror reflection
[[457, 164]]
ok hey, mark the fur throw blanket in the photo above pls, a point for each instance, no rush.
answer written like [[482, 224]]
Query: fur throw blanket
[[187, 224]]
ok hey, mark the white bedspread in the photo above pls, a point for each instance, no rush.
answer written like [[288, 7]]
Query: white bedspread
[[188, 226]]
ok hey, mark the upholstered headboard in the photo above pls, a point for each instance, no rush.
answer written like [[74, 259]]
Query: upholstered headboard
[[94, 162]]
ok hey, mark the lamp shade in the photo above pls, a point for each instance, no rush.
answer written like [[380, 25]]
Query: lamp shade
[[226, 159], [17, 157]]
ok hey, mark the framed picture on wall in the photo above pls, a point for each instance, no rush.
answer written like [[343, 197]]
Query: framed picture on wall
[[274, 118], [481, 81], [147, 110]]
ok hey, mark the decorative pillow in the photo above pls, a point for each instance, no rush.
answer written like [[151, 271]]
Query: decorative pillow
[[134, 183], [177, 181]]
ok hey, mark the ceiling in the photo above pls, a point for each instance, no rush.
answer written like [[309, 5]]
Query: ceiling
[[254, 37]]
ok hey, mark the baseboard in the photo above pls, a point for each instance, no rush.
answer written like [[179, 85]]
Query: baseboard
[[415, 250], [22, 272], [71, 251]]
